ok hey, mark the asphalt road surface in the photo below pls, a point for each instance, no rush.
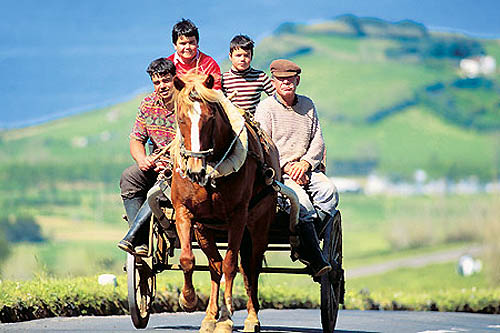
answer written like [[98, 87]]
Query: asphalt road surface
[[281, 321]]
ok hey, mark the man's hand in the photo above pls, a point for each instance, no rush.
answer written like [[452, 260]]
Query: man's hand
[[161, 166], [146, 163], [297, 171]]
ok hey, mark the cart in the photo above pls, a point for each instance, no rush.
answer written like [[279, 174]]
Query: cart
[[142, 271]]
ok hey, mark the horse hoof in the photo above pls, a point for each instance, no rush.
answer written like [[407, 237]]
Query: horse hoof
[[188, 306], [251, 326], [207, 326], [224, 326]]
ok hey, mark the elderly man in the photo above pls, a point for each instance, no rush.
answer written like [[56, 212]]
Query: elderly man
[[155, 122], [292, 122]]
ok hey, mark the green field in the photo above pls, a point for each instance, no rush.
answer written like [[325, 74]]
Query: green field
[[373, 227], [52, 268]]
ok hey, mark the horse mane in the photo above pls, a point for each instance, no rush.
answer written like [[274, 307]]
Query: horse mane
[[194, 86]]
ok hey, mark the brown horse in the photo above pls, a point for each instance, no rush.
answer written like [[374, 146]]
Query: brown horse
[[220, 182]]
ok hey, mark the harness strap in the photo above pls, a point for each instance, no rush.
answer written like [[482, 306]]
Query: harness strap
[[226, 153]]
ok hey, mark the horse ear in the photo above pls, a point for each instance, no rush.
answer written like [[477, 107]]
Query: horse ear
[[209, 81], [178, 83]]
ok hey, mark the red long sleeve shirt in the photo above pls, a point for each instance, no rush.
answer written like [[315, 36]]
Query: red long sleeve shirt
[[205, 64]]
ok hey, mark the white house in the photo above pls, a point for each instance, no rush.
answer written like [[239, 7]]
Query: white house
[[477, 66]]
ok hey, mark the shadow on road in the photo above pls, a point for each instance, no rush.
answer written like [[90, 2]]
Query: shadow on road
[[263, 329], [286, 329], [180, 328]]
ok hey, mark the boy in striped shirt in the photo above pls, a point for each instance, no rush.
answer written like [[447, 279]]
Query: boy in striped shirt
[[242, 83]]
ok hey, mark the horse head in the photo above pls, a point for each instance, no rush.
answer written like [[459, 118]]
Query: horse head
[[196, 111]]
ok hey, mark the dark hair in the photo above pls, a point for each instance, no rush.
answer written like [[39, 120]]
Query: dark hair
[[241, 42], [161, 66], [185, 28]]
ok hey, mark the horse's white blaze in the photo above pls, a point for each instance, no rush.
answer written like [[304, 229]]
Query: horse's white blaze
[[195, 128]]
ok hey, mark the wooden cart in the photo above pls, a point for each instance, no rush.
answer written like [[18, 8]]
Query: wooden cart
[[142, 271]]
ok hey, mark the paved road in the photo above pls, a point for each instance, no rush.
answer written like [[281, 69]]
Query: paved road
[[282, 321]]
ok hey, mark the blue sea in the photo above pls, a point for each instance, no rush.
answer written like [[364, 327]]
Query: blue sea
[[61, 57]]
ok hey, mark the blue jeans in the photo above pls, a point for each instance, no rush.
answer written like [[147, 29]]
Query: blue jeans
[[319, 195]]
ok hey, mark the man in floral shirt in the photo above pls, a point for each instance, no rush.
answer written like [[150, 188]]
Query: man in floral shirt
[[155, 122]]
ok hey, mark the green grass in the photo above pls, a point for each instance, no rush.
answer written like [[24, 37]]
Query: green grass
[[350, 79], [428, 279], [56, 139], [373, 224], [421, 144], [63, 259], [380, 256], [434, 287], [372, 227], [45, 296], [336, 77], [365, 223]]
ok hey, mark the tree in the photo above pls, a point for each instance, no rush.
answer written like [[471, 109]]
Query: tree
[[21, 228], [4, 248]]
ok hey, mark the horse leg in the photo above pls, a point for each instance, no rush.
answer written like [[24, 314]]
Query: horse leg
[[252, 251], [188, 299], [252, 321], [230, 268], [206, 240]]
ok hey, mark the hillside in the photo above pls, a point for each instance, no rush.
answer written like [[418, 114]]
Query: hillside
[[390, 97]]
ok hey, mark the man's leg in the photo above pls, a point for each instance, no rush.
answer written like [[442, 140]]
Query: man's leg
[[134, 185], [323, 193], [324, 197], [309, 249], [307, 212]]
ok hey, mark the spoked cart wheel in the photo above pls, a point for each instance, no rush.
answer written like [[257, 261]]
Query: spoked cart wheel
[[332, 284], [141, 282]]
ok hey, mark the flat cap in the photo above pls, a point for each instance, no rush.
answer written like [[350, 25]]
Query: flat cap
[[284, 68]]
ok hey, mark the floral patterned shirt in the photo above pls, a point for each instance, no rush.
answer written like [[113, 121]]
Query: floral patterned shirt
[[154, 121]]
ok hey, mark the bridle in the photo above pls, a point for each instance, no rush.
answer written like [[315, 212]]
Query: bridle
[[196, 154], [207, 153]]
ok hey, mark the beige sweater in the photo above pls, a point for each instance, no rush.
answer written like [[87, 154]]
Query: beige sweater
[[295, 130]]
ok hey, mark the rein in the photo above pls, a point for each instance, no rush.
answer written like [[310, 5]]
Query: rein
[[225, 154]]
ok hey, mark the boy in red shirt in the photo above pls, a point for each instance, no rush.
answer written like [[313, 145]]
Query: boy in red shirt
[[187, 56]]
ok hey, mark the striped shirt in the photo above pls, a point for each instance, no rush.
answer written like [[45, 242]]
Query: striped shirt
[[248, 84]]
